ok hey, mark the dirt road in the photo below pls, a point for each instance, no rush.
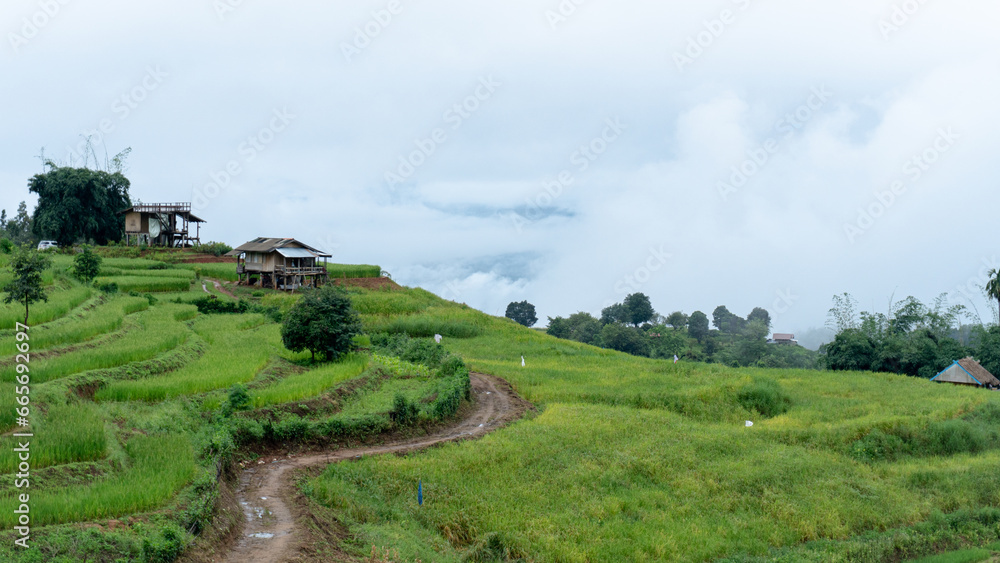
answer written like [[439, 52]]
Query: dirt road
[[271, 532]]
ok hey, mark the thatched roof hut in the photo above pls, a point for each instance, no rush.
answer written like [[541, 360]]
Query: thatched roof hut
[[967, 372]]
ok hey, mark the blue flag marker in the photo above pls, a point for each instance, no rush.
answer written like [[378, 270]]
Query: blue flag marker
[[420, 493]]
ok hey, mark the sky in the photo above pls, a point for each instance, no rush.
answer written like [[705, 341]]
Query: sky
[[745, 153]]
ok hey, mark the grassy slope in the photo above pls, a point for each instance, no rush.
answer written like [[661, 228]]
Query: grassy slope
[[635, 459]]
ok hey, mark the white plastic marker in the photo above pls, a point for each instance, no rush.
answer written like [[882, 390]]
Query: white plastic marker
[[675, 358], [522, 361], [749, 424], [437, 338]]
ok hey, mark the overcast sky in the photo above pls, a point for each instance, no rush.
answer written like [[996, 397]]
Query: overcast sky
[[738, 152]]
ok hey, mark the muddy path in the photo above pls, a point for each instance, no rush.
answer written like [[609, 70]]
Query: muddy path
[[265, 493]]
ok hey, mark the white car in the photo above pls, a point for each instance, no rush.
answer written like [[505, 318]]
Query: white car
[[46, 244]]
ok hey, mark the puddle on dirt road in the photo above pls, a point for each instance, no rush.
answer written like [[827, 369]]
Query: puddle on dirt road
[[250, 511], [263, 535]]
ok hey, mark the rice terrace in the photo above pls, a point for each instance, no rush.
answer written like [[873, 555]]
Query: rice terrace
[[167, 421]]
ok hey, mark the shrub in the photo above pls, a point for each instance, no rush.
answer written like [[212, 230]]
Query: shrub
[[165, 547], [210, 305], [404, 412], [765, 397], [877, 446], [6, 245], [238, 400], [108, 288]]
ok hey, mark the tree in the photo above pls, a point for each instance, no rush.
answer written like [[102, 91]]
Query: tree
[[26, 287], [993, 286], [753, 346], [638, 309], [677, 320], [698, 325], [851, 349], [322, 321], [624, 339], [843, 315], [581, 327], [760, 314], [18, 229], [79, 203], [522, 313], [616, 313], [86, 265], [726, 321]]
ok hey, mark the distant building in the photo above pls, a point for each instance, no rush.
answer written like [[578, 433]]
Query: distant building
[[782, 338], [279, 263], [161, 224], [967, 372]]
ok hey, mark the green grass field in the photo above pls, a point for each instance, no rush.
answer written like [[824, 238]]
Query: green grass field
[[138, 401], [644, 460]]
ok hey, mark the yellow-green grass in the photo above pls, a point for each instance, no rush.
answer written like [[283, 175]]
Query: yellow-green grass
[[219, 270], [961, 556], [353, 270], [394, 302], [311, 383], [446, 319], [60, 302], [64, 434], [159, 466], [166, 273], [239, 347], [132, 264], [143, 336], [100, 319], [145, 284], [644, 460]]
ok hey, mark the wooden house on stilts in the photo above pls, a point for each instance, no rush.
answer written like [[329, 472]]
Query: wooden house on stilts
[[280, 263]]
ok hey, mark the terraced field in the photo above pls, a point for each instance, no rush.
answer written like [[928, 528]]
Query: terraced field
[[144, 408]]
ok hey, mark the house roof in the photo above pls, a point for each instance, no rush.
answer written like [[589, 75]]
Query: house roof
[[782, 336], [966, 370], [182, 209], [267, 245]]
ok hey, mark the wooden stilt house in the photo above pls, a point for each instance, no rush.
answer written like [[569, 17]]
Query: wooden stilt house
[[967, 372], [280, 263], [161, 224]]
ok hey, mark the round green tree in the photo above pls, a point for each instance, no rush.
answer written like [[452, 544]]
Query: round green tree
[[322, 322], [522, 313]]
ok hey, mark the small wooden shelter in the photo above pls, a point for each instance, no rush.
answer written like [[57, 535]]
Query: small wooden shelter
[[967, 372], [161, 224], [279, 263]]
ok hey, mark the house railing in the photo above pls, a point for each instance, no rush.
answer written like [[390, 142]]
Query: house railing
[[299, 271]]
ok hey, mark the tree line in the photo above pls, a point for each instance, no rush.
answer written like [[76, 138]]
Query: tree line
[[633, 326], [911, 338]]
